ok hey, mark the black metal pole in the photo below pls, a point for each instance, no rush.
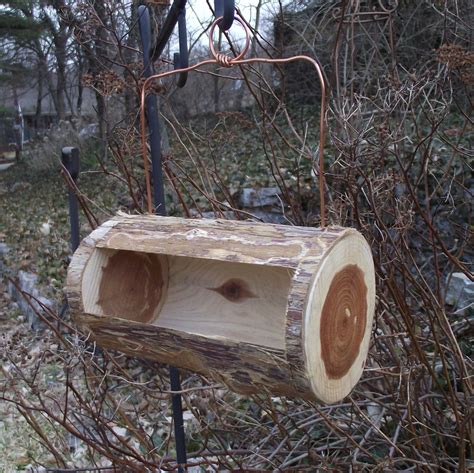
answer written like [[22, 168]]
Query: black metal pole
[[167, 28], [181, 59], [151, 106], [226, 9], [160, 209], [178, 419], [71, 161]]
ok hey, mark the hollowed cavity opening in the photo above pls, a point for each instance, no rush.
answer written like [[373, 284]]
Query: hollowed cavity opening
[[237, 301]]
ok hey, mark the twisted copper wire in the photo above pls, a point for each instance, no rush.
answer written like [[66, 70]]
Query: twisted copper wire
[[224, 60], [227, 61]]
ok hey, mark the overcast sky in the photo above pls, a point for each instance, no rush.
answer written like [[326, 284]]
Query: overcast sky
[[199, 16]]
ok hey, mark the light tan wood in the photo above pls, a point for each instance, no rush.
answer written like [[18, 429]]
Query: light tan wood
[[238, 301], [257, 306], [235, 301]]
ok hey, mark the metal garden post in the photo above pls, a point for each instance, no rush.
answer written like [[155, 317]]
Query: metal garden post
[[152, 114], [160, 209], [70, 160]]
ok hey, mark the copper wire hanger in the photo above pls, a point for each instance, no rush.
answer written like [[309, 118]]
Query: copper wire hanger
[[227, 61]]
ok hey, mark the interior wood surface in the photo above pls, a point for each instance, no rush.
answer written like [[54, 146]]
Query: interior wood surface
[[237, 301], [125, 284]]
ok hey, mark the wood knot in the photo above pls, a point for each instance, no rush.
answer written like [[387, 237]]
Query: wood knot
[[234, 290]]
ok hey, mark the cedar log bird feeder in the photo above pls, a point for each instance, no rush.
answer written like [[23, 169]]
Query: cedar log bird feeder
[[260, 307], [256, 306]]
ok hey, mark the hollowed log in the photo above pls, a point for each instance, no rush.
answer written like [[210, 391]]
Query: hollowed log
[[256, 306]]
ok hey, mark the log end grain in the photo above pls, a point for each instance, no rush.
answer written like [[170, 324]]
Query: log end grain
[[338, 318]]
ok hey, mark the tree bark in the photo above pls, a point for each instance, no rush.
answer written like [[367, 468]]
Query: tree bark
[[60, 42], [39, 97], [59, 32], [80, 73]]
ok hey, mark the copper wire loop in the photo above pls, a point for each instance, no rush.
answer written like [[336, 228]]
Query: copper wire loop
[[227, 61]]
